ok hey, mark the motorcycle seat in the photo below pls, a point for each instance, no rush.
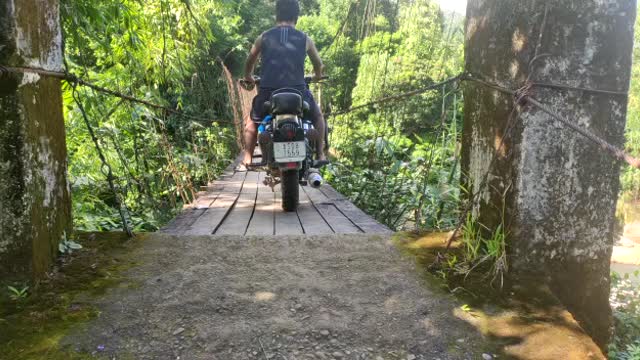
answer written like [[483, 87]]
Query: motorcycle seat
[[286, 103]]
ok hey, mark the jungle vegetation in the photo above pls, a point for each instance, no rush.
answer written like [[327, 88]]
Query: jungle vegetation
[[398, 160]]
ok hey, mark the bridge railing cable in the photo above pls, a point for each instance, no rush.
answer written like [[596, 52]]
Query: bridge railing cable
[[408, 94], [522, 97], [527, 98], [73, 79]]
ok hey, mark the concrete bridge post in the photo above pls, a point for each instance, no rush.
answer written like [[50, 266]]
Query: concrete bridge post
[[558, 191], [35, 207]]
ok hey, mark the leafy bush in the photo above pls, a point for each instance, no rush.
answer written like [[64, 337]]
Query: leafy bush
[[164, 52], [625, 301], [404, 183]]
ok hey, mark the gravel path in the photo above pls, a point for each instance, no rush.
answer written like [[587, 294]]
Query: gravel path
[[325, 297]]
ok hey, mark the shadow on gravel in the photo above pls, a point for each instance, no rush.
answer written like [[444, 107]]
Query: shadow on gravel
[[523, 320]]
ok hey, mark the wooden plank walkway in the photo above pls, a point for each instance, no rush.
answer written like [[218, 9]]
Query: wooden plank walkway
[[240, 204]]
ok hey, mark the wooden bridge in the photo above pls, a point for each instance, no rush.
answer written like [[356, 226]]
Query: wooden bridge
[[240, 204]]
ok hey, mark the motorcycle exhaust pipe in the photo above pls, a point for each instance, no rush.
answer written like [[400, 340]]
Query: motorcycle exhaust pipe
[[314, 179]]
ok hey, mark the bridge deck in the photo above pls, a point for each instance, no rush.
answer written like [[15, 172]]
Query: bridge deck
[[239, 204]]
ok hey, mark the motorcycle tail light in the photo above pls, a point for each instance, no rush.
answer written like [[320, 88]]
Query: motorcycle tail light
[[288, 131]]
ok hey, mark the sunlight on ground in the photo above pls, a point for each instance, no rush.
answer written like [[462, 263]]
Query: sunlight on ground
[[527, 324], [534, 334], [265, 296], [626, 253], [432, 240]]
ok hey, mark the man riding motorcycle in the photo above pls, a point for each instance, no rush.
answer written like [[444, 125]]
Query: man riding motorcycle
[[283, 50]]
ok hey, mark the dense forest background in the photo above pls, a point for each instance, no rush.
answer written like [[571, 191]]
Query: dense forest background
[[172, 52], [398, 160]]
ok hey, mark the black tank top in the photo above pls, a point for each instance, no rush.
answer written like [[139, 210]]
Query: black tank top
[[284, 50]]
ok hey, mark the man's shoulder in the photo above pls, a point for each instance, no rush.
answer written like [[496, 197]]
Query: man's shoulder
[[262, 34], [276, 29], [303, 33]]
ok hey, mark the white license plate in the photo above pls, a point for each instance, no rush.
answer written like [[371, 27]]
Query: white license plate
[[289, 151]]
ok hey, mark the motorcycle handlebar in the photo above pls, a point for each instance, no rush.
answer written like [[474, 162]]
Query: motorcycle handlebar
[[256, 81], [311, 79]]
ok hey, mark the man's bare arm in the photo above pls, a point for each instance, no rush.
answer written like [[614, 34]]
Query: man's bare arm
[[252, 59], [318, 66]]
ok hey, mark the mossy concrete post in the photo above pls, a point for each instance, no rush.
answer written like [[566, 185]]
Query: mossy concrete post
[[558, 191], [35, 208]]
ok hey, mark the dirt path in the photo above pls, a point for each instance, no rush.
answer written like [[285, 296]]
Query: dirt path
[[231, 297]]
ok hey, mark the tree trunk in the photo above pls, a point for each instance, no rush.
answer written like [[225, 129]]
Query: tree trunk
[[558, 190], [35, 208]]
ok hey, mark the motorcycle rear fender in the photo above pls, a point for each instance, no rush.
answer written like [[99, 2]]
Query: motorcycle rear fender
[[290, 166]]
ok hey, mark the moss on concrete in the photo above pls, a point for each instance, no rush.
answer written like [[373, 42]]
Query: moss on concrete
[[35, 206]]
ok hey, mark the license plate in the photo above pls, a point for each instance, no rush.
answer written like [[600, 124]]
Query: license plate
[[289, 151]]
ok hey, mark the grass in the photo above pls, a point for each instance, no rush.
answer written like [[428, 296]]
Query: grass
[[32, 324]]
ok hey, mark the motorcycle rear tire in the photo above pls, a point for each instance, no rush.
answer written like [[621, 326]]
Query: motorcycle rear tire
[[290, 190]]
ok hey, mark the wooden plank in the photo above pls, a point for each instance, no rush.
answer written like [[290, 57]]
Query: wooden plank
[[286, 223], [250, 185], [312, 222], [262, 188], [262, 221], [203, 202], [331, 193], [237, 220], [213, 216], [336, 220], [229, 184], [365, 222], [234, 184], [218, 210], [182, 222], [218, 184]]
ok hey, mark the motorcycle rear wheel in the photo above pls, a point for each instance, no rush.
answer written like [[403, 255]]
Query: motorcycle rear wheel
[[290, 190]]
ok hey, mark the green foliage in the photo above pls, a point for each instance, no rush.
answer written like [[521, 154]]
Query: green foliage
[[16, 294], [404, 183], [164, 52], [483, 249], [399, 160], [630, 179], [471, 238], [67, 246], [168, 52], [625, 301]]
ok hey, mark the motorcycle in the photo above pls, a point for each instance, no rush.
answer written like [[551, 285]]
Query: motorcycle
[[287, 140]]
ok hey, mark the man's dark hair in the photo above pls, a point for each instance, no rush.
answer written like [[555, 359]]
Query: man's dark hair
[[287, 10]]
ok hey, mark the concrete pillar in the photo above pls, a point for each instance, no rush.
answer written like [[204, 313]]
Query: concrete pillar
[[558, 190], [35, 208]]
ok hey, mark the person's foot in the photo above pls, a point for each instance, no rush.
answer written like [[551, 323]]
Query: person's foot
[[242, 167], [247, 159]]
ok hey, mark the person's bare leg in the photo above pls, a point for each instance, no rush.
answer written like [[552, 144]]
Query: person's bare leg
[[320, 125], [250, 138]]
